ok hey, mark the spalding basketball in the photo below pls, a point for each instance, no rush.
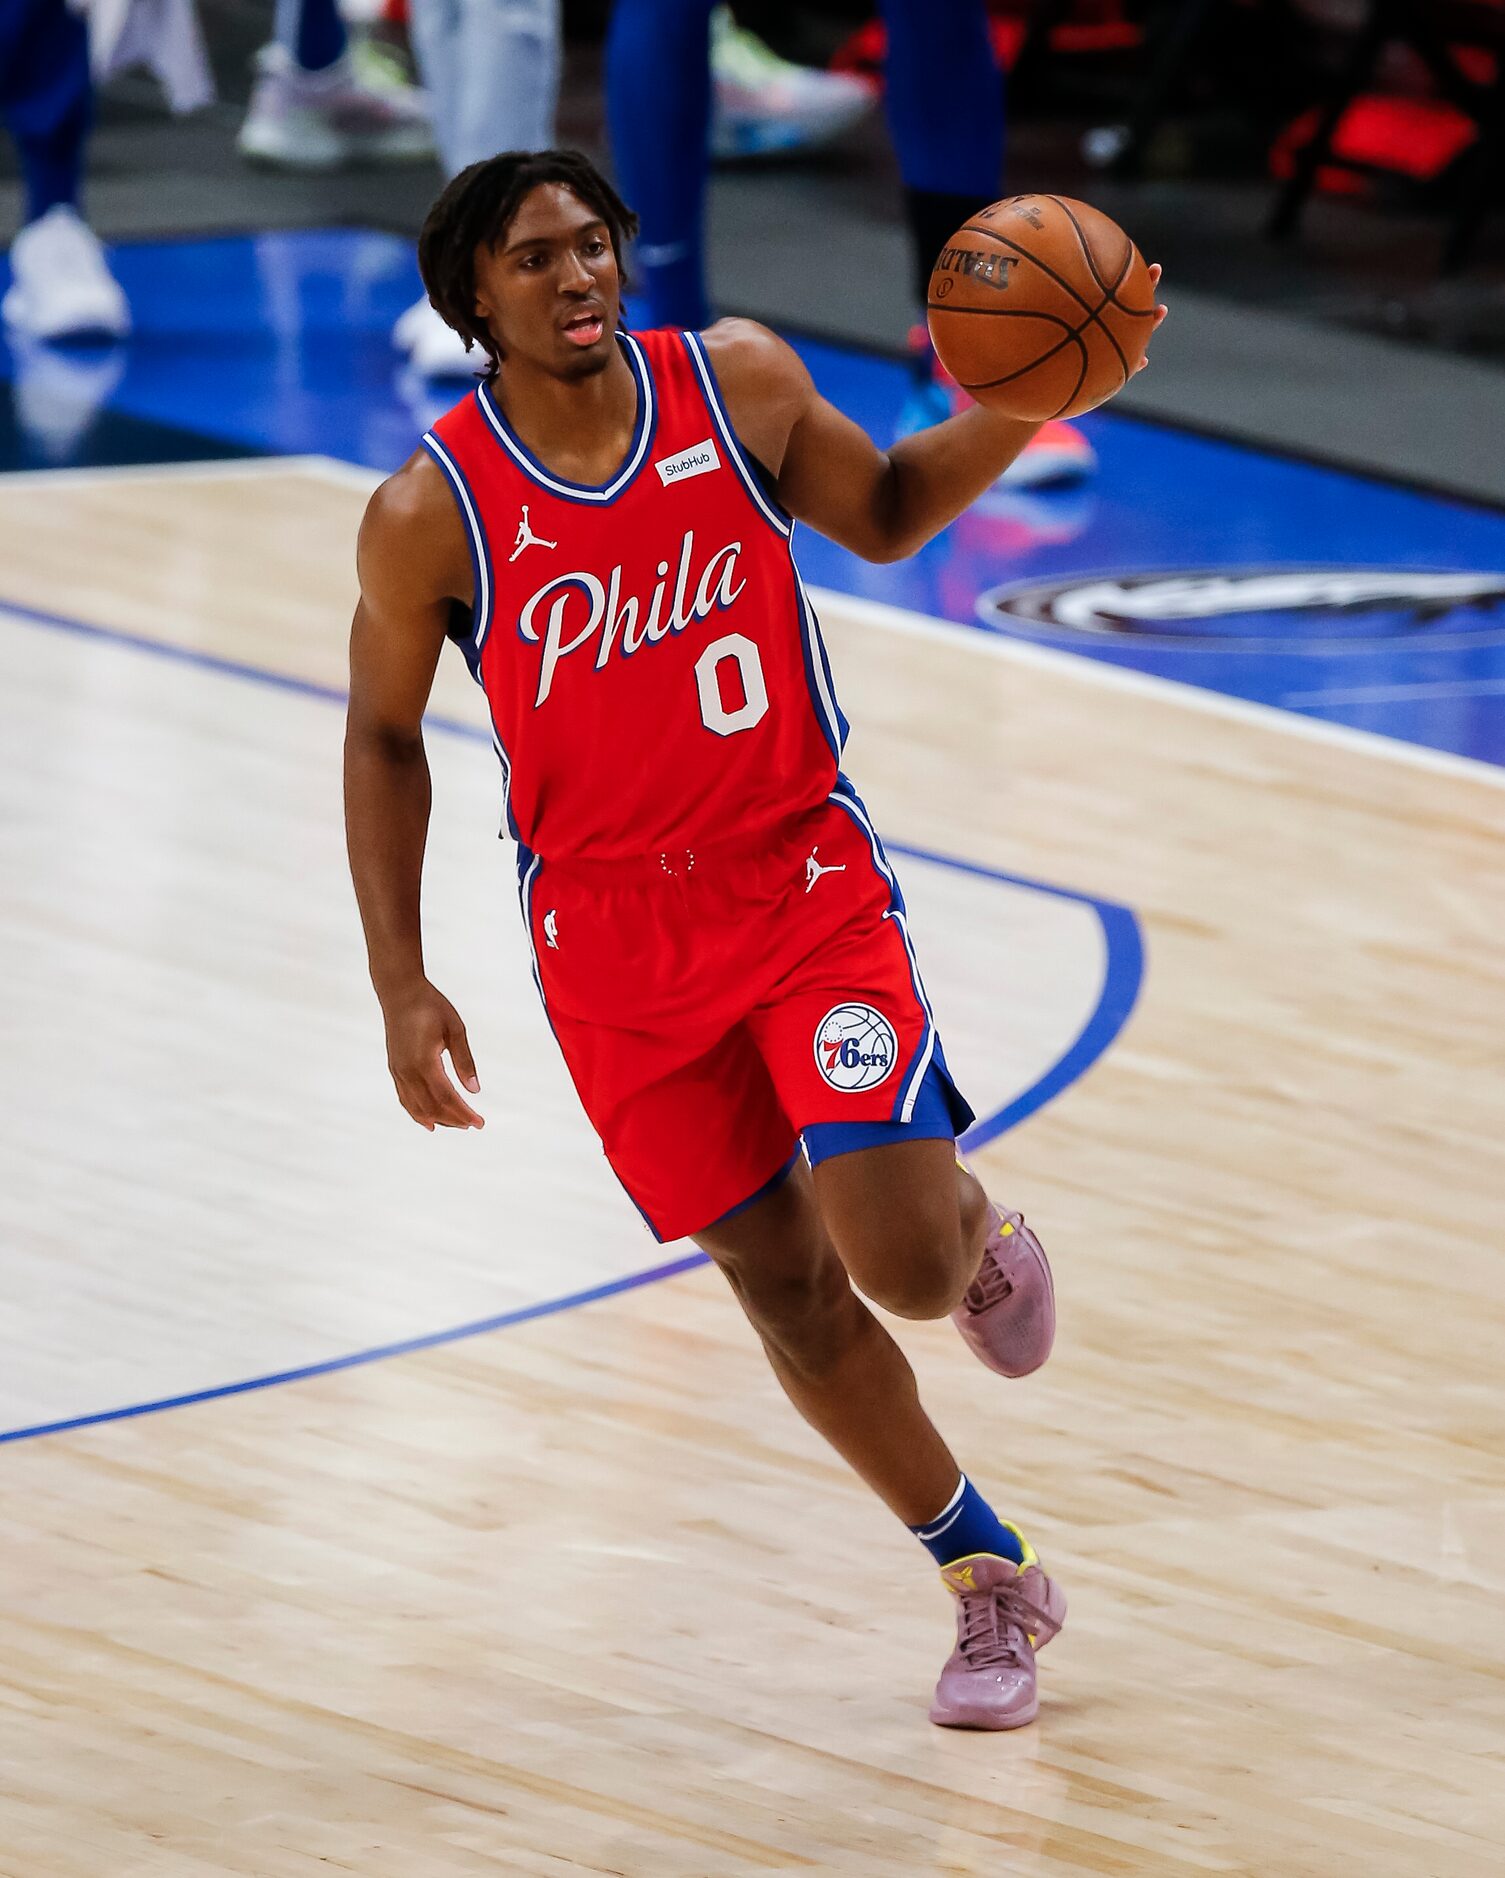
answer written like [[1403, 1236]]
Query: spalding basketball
[[1040, 307]]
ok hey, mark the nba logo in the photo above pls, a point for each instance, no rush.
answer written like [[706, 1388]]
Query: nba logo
[[855, 1047]]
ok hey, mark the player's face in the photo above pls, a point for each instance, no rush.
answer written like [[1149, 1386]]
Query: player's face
[[549, 290]]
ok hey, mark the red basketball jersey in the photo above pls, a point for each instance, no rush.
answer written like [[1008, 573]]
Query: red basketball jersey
[[654, 667]]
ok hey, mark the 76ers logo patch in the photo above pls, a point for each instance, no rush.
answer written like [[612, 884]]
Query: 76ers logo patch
[[855, 1047]]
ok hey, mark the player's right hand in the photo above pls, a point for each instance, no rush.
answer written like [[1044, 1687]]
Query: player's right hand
[[422, 1025]]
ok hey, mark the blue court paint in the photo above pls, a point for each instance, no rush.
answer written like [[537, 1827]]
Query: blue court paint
[[280, 343], [1124, 953]]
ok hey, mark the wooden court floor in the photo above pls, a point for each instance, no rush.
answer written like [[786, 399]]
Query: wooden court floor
[[582, 1595]]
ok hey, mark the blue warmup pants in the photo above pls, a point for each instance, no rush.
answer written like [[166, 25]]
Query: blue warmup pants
[[311, 32], [945, 109], [46, 98]]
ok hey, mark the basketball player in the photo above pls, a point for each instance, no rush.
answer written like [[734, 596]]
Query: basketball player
[[717, 933]]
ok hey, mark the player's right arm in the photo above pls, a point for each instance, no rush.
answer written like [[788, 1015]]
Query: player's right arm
[[413, 562]]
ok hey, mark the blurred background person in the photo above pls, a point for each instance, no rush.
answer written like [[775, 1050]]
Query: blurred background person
[[61, 283], [314, 106], [944, 94], [491, 72], [491, 69], [763, 105]]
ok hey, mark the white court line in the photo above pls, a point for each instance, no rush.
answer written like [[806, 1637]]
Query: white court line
[[212, 469], [1089, 671], [878, 613], [1398, 694]]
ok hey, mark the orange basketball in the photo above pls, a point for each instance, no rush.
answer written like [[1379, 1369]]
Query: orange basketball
[[1040, 307]]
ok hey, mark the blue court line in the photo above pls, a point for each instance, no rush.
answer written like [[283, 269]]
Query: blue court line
[[432, 1340], [1122, 978]]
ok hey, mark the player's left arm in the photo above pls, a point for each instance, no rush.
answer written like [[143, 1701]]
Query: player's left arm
[[882, 504]]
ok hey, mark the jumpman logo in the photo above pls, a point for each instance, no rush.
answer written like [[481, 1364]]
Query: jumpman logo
[[551, 928], [527, 539], [814, 870]]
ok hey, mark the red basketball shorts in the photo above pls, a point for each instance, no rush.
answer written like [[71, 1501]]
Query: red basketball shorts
[[714, 1008]]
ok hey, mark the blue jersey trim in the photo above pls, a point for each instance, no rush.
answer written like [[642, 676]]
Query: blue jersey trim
[[846, 798], [773, 1182], [829, 714], [480, 551], [644, 428], [941, 1113], [528, 866], [482, 608], [777, 518]]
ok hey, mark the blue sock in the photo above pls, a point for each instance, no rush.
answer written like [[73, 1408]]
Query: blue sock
[[967, 1525], [658, 97], [311, 31]]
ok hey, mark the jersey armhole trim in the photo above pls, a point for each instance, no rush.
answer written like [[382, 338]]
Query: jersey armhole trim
[[845, 797], [475, 539], [777, 518]]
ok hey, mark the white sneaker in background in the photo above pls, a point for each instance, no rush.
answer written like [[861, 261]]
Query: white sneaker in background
[[434, 349], [410, 324], [766, 106], [301, 120], [61, 284], [58, 391], [378, 66]]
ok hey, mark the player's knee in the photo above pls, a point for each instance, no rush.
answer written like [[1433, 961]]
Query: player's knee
[[916, 1259], [917, 1278]]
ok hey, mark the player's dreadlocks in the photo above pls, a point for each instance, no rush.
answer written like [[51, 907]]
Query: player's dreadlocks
[[477, 207]]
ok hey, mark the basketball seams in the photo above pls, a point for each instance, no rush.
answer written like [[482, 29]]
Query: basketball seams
[[991, 384], [1082, 242], [1069, 335], [1091, 315], [1138, 313], [1107, 332], [1081, 378], [1111, 293], [1002, 313], [971, 228]]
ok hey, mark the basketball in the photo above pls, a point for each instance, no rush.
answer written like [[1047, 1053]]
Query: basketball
[[1040, 307]]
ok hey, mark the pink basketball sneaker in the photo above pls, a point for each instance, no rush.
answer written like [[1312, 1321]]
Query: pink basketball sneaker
[[1008, 1316], [1004, 1614]]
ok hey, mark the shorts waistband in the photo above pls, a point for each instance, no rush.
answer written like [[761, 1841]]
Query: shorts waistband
[[704, 860]]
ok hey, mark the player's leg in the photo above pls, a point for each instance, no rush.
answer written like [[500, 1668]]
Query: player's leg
[[491, 72], [658, 98], [709, 1140], [920, 1236], [837, 1364], [951, 162], [310, 32], [61, 284], [698, 1132], [851, 1382], [850, 1042], [508, 79]]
